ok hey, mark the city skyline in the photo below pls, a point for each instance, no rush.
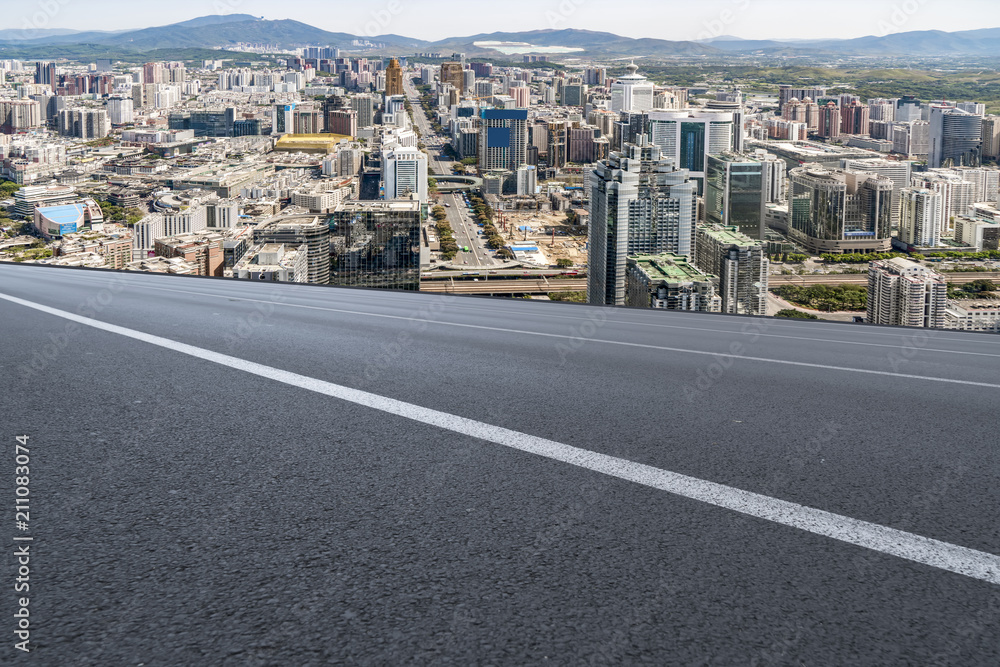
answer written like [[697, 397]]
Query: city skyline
[[441, 19]]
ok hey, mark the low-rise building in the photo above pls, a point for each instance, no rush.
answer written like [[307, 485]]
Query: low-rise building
[[274, 262], [670, 282], [203, 249], [972, 317]]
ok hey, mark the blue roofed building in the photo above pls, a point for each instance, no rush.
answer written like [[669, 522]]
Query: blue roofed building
[[57, 221]]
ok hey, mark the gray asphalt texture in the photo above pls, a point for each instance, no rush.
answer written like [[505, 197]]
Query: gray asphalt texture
[[185, 513]]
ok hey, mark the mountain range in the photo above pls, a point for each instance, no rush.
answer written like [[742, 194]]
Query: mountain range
[[222, 31]]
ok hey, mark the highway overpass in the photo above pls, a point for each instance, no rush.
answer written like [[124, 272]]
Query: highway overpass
[[233, 473]]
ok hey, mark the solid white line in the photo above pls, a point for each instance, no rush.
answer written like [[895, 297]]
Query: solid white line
[[725, 355], [927, 551]]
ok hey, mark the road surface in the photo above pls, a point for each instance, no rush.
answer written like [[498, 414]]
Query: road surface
[[234, 473]]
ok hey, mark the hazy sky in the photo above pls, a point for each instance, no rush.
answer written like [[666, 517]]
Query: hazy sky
[[436, 19]]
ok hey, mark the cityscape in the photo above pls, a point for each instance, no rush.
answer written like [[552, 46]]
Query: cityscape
[[328, 344]]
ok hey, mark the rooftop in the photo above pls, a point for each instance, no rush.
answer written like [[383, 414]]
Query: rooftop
[[669, 267]]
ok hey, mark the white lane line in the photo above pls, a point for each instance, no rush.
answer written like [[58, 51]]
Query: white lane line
[[663, 348], [927, 551], [770, 323]]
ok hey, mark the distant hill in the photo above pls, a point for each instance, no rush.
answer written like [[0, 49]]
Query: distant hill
[[222, 31]]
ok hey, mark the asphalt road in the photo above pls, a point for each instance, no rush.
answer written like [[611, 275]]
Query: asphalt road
[[465, 235], [862, 278], [189, 508]]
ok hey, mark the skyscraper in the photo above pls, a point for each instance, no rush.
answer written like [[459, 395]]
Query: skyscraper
[[904, 293], [920, 219], [404, 172], [736, 190], [830, 121], [689, 136], [451, 72], [741, 264], [631, 92], [956, 138], [854, 118], [840, 211], [991, 137], [640, 204], [503, 139], [393, 79]]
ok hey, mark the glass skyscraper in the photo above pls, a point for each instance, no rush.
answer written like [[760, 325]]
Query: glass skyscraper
[[376, 244]]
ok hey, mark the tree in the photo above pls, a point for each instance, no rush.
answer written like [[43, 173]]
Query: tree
[[795, 314], [564, 263]]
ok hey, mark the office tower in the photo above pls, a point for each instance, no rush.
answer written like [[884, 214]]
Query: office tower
[[669, 282], [451, 72], [640, 204], [393, 79], [527, 180], [991, 137], [342, 121], [975, 108], [689, 136], [830, 121], [376, 244], [957, 194], [583, 144], [920, 219], [574, 95], [854, 118], [735, 193], [631, 92], [120, 110], [840, 211], [741, 265], [899, 171], [404, 172], [19, 115], [956, 138], [904, 293], [45, 74], [296, 231], [503, 139]]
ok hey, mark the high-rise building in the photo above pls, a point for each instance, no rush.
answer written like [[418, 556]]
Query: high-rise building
[[19, 115], [920, 219], [503, 139], [376, 244], [342, 121], [669, 282], [84, 123], [904, 293], [787, 92], [854, 118], [632, 92], [991, 137], [364, 106], [296, 231], [574, 95], [956, 137], [736, 190], [907, 109], [830, 121], [640, 204], [899, 171], [521, 95], [911, 139], [45, 74], [393, 79], [741, 264], [120, 110], [451, 72], [840, 211], [689, 136], [527, 180], [404, 172]]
